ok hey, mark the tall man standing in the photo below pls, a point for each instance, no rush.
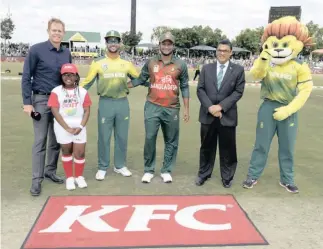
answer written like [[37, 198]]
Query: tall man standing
[[221, 85], [41, 73], [111, 73], [167, 75]]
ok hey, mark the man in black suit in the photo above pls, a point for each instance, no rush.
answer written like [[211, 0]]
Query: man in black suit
[[221, 85]]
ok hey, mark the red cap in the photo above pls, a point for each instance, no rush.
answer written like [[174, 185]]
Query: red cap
[[69, 68]]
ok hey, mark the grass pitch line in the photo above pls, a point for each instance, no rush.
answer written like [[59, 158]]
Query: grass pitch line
[[192, 83]]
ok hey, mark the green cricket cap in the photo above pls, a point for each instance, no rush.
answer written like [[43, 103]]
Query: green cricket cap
[[167, 36], [113, 33]]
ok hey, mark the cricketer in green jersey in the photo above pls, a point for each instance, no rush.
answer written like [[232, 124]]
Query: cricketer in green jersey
[[111, 74], [167, 75]]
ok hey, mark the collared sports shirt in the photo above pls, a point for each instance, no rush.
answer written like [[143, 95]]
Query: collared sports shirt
[[281, 81], [111, 76], [165, 81]]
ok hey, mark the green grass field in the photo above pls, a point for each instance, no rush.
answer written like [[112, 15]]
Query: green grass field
[[17, 67], [286, 220]]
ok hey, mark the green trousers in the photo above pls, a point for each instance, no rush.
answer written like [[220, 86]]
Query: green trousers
[[113, 114], [168, 119], [286, 131]]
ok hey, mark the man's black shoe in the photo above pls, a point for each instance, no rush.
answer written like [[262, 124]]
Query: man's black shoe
[[227, 183], [200, 181], [54, 178], [35, 189]]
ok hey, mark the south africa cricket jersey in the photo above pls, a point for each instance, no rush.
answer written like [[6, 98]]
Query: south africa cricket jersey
[[111, 76], [165, 81], [280, 83]]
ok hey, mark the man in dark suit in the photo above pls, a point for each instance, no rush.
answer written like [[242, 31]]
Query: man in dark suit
[[221, 85]]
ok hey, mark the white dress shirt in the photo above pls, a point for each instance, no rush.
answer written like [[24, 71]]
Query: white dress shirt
[[226, 65]]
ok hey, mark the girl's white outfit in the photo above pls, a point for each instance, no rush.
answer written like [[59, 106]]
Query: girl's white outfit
[[71, 103]]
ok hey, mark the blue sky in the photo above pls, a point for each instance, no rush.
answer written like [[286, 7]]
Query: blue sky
[[231, 16]]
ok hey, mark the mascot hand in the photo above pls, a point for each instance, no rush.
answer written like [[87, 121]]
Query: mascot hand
[[265, 55], [281, 113]]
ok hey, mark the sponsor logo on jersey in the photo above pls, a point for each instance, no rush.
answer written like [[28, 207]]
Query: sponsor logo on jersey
[[104, 67], [114, 75]]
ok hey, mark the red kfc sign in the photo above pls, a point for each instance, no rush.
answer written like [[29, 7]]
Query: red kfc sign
[[141, 221]]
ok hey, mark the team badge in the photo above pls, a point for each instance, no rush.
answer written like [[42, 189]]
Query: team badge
[[156, 69], [104, 67]]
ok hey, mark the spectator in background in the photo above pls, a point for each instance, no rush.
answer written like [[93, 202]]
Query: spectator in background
[[198, 71]]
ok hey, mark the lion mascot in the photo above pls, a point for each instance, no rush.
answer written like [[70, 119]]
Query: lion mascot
[[286, 84]]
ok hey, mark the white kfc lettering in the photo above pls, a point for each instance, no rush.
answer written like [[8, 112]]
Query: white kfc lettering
[[144, 213], [138, 221], [90, 221], [185, 218]]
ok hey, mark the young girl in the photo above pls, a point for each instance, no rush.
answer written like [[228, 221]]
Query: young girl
[[70, 105]]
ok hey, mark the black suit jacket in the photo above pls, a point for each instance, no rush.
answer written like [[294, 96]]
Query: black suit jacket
[[227, 96]]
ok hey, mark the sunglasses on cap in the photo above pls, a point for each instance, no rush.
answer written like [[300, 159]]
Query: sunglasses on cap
[[112, 40]]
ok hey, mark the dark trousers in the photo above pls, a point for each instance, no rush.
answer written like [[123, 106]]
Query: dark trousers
[[168, 119], [44, 138], [210, 134], [197, 73]]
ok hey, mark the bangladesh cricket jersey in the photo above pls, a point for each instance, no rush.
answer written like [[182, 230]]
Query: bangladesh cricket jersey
[[165, 81], [280, 83], [111, 76]]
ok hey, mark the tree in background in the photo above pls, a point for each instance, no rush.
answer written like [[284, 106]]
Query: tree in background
[[131, 40], [316, 32], [186, 37], [250, 39], [157, 32], [190, 37], [7, 28]]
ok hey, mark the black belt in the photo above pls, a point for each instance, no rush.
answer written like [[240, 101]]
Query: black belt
[[41, 93]]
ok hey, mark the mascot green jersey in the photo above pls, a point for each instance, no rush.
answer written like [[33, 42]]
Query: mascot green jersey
[[286, 84]]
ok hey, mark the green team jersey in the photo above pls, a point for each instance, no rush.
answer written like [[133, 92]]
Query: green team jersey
[[111, 76], [165, 81], [280, 83]]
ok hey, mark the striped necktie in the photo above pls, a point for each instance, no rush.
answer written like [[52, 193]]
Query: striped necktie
[[220, 76]]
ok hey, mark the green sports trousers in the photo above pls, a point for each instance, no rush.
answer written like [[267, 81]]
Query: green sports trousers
[[113, 114], [168, 119], [286, 131]]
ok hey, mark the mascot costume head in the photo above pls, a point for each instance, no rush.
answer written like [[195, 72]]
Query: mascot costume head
[[286, 84], [284, 39]]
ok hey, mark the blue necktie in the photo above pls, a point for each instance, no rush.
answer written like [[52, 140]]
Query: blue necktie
[[220, 76]]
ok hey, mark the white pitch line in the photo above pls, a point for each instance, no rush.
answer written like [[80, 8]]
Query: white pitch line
[[190, 82]]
